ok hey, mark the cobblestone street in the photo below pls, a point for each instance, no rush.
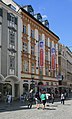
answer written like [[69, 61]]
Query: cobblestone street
[[53, 111]]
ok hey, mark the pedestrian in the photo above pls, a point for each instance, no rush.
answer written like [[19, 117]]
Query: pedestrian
[[37, 99], [43, 99], [9, 99], [62, 98], [52, 97], [47, 97]]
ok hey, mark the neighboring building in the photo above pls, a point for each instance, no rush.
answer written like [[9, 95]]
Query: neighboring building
[[38, 67], [65, 67], [69, 67], [10, 46]]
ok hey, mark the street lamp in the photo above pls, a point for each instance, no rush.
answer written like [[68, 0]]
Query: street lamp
[[32, 77]]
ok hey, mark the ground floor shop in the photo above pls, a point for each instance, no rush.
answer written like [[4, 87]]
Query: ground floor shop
[[15, 87], [9, 86]]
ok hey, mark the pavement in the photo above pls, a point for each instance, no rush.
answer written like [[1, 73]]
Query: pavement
[[18, 110]]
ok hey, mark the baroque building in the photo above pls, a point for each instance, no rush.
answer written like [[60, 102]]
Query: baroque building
[[35, 31]]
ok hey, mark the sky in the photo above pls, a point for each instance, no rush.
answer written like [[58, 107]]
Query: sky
[[59, 15]]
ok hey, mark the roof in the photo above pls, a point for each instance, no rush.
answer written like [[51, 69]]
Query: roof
[[39, 22]]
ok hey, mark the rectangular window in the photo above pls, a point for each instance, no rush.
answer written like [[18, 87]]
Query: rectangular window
[[25, 47], [32, 33], [26, 66], [12, 19], [32, 68], [12, 37], [46, 71], [46, 42], [50, 44], [12, 62], [46, 55], [40, 38], [32, 50], [1, 12], [24, 29]]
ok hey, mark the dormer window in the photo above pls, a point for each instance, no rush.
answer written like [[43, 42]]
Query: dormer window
[[38, 17], [29, 9]]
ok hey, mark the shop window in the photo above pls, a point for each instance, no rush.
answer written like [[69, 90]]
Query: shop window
[[25, 87]]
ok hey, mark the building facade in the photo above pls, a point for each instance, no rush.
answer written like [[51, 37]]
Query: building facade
[[65, 67], [38, 68], [10, 35]]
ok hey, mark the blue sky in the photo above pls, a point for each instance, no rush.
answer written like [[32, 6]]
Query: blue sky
[[59, 15]]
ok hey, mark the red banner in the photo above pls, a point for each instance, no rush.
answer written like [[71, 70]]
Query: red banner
[[41, 54], [53, 59], [41, 57]]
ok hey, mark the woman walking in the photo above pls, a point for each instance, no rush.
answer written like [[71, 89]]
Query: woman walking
[[62, 98], [43, 99]]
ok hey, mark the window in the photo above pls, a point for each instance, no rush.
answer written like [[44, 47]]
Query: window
[[12, 19], [1, 12], [24, 29], [25, 47], [46, 55], [46, 42], [12, 37], [12, 62], [32, 33], [46, 71], [55, 46], [32, 50], [41, 71], [40, 38], [50, 44], [32, 68], [26, 68]]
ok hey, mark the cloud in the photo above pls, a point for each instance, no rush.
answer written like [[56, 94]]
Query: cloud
[[44, 16]]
